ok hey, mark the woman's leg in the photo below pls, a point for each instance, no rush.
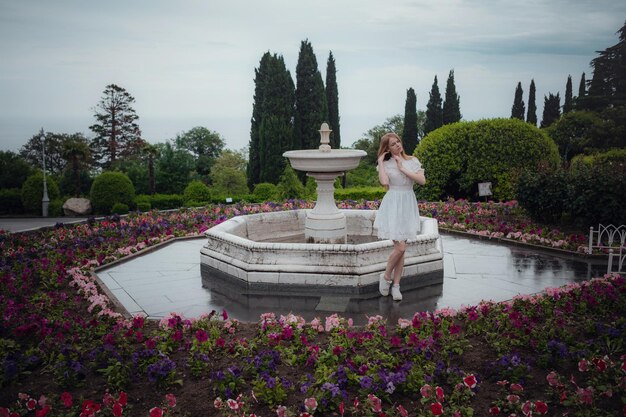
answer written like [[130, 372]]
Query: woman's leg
[[392, 261], [400, 247]]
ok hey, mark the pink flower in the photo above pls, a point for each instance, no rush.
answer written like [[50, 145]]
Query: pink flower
[[470, 381], [224, 314], [436, 408], [171, 400], [156, 412], [232, 404], [310, 404], [439, 393], [201, 336], [281, 411], [218, 403], [426, 391], [375, 403], [66, 399], [527, 408], [512, 399], [553, 378], [516, 388], [403, 412], [585, 395]]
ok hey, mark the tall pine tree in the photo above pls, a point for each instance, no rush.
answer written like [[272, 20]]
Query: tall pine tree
[[531, 116], [409, 133], [276, 129], [434, 110], [451, 106], [582, 87], [568, 104], [332, 98], [311, 105], [254, 157], [551, 109], [518, 109]]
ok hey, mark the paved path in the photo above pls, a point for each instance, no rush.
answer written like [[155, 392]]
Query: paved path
[[22, 224]]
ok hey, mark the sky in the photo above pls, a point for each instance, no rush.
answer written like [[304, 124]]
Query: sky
[[191, 63]]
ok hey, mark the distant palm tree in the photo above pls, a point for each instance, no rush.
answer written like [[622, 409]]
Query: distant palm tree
[[77, 153], [151, 152]]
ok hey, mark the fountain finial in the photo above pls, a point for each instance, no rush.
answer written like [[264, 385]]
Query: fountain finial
[[325, 137]]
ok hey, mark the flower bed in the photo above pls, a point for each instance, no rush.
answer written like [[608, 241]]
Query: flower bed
[[65, 352]]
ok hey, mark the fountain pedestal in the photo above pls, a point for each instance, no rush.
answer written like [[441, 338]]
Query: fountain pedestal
[[325, 223]]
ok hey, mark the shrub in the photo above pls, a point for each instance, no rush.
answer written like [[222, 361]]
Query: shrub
[[32, 192], [543, 194], [110, 188], [143, 206], [11, 201], [613, 158], [166, 201], [119, 208], [196, 190], [290, 186], [597, 195], [55, 208], [265, 191], [360, 193], [456, 157]]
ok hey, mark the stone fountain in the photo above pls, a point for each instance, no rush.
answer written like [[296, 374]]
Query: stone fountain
[[323, 250]]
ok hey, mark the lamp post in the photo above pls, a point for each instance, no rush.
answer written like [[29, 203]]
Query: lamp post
[[45, 201]]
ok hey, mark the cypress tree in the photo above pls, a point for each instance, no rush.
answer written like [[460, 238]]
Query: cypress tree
[[518, 109], [451, 106], [409, 133], [311, 105], [332, 98], [253, 170], [276, 128], [568, 103], [582, 87], [434, 111], [531, 116], [551, 109]]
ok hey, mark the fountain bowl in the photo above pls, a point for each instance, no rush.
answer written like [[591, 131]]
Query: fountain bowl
[[315, 160]]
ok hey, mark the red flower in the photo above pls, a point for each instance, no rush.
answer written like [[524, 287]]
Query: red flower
[[4, 412], [600, 364], [541, 407], [122, 399], [224, 315], [66, 399], [31, 404], [439, 393], [583, 365], [436, 409], [43, 412], [232, 404], [341, 408], [219, 342], [117, 410], [171, 400], [403, 412], [495, 410], [470, 381], [156, 412], [516, 388], [375, 403]]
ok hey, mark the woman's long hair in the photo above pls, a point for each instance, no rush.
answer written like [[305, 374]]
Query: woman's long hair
[[384, 145]]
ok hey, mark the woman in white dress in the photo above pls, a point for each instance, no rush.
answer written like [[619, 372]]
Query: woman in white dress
[[398, 215]]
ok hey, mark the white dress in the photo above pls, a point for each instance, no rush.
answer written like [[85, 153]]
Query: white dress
[[398, 214]]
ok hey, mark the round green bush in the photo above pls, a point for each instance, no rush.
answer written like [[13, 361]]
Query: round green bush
[[120, 208], [143, 206], [109, 188], [290, 186], [197, 191], [32, 192], [265, 191], [458, 156]]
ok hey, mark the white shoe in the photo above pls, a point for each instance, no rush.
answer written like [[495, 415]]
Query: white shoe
[[383, 285], [395, 292]]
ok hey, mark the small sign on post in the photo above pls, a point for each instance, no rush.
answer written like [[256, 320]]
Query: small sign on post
[[484, 189]]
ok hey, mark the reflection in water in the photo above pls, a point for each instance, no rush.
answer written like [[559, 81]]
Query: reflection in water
[[473, 270]]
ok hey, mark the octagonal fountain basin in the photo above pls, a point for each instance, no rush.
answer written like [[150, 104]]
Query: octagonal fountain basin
[[266, 252]]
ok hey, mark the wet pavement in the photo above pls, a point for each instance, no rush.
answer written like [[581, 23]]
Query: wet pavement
[[170, 280]]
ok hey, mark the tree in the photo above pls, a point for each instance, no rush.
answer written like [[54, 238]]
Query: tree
[[174, 167], [332, 98], [551, 109], [78, 156], [228, 174], [434, 110], [531, 116], [13, 170], [568, 104], [32, 151], [573, 133], [203, 144], [117, 133], [518, 109], [582, 87], [151, 152], [451, 106], [371, 140], [276, 117], [254, 158], [409, 134], [311, 105]]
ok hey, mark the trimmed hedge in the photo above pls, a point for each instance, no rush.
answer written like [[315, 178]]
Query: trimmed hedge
[[458, 156], [109, 188], [32, 192], [360, 193], [11, 201], [265, 191]]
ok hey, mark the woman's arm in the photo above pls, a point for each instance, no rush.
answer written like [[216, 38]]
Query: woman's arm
[[382, 174], [417, 177]]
